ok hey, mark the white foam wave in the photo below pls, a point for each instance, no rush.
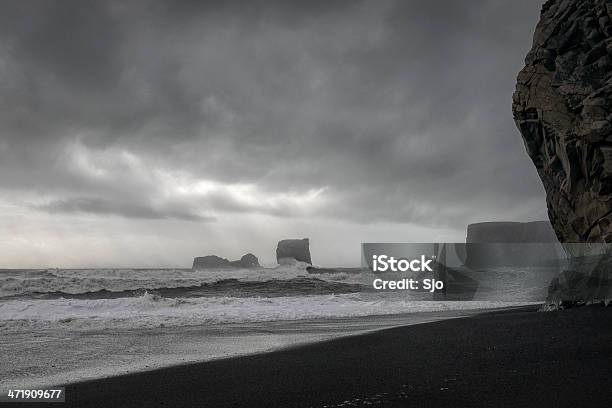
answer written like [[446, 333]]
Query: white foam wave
[[152, 310], [80, 281]]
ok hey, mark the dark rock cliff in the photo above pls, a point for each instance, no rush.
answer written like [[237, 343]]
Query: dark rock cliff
[[563, 109]]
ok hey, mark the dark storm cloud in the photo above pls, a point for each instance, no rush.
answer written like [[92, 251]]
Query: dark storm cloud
[[106, 207], [399, 110]]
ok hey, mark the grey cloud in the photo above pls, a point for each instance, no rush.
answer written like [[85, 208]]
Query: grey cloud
[[401, 108], [107, 207]]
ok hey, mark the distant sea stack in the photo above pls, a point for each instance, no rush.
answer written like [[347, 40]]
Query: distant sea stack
[[536, 231], [563, 109], [216, 262], [511, 244], [289, 249], [247, 261]]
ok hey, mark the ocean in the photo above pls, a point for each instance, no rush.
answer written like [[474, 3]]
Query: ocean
[[66, 325]]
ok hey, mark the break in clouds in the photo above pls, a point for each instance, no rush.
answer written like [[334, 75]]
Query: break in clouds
[[144, 133]]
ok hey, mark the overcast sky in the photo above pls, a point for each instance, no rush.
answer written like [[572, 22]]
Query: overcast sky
[[145, 133]]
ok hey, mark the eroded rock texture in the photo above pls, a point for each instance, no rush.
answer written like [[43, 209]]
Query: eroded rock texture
[[563, 108]]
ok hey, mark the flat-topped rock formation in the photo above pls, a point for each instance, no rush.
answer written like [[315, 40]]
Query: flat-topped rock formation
[[215, 262], [563, 109], [511, 244], [506, 232], [293, 249]]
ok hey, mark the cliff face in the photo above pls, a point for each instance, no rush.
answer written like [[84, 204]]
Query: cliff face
[[563, 109]]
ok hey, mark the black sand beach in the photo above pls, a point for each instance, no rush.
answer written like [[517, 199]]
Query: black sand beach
[[512, 358]]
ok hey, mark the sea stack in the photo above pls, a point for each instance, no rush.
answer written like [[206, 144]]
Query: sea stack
[[215, 262], [519, 232], [512, 244], [246, 261], [563, 109], [293, 249]]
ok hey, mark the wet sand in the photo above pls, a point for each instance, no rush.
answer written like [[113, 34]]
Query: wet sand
[[40, 354]]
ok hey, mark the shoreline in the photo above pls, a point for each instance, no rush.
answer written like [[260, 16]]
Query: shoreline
[[100, 354], [494, 358], [508, 358]]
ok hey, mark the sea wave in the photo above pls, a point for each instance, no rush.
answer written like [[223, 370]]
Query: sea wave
[[228, 287], [151, 310], [112, 282]]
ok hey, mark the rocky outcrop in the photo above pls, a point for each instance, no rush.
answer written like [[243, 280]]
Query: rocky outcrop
[[216, 262], [209, 262], [293, 249], [563, 109], [247, 261], [587, 278], [505, 232], [512, 244]]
